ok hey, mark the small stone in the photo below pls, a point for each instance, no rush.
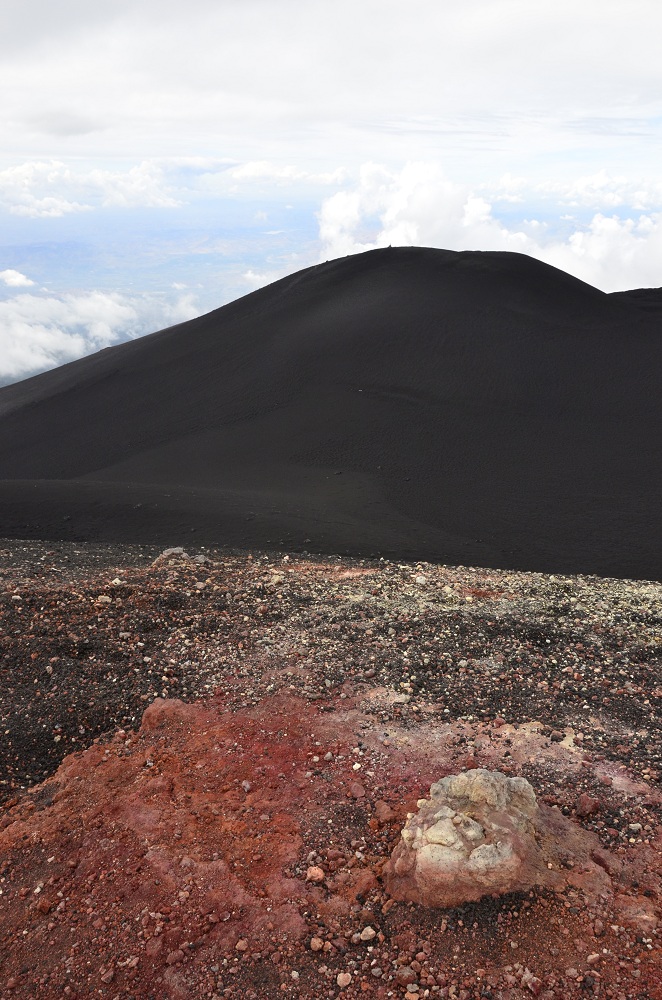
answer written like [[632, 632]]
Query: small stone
[[356, 790], [383, 812], [405, 976], [571, 973], [246, 785], [586, 805], [316, 944], [107, 975], [368, 933], [532, 983], [315, 874], [175, 957], [343, 979], [376, 972], [241, 945]]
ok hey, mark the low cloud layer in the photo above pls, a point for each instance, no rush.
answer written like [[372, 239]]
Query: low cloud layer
[[51, 189], [38, 332]]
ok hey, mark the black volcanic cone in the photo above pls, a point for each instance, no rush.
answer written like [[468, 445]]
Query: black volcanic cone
[[476, 408]]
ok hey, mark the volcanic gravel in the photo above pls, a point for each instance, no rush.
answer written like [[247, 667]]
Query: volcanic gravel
[[89, 635], [308, 704]]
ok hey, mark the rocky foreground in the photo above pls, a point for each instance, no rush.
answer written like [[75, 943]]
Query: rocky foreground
[[208, 760]]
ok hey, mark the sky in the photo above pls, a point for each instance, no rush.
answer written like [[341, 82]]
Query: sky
[[159, 159]]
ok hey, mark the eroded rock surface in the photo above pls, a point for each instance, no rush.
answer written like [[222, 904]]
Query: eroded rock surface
[[477, 835]]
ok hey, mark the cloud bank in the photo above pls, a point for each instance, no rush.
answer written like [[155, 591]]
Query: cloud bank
[[418, 205], [40, 189], [38, 332]]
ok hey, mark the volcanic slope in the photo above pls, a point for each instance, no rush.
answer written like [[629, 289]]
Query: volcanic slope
[[472, 408]]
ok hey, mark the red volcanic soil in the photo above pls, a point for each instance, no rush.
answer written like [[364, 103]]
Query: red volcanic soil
[[234, 846], [240, 853]]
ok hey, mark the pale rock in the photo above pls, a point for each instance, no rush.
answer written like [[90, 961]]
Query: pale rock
[[476, 835]]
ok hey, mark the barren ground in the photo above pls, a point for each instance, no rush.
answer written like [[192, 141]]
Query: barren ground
[[231, 840]]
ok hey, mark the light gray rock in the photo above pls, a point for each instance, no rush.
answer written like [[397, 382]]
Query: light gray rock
[[475, 836]]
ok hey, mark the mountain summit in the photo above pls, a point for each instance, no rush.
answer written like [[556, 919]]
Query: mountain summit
[[473, 408]]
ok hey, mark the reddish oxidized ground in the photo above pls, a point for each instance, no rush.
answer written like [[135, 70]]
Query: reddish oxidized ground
[[239, 853]]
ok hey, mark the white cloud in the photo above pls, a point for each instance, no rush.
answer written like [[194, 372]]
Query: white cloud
[[258, 80], [51, 189], [284, 174], [418, 205], [38, 332], [142, 185], [600, 190], [258, 279], [15, 279], [38, 188], [611, 253], [415, 206]]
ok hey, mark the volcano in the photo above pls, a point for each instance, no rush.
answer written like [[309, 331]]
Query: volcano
[[474, 408]]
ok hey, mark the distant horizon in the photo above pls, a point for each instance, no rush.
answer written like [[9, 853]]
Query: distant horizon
[[158, 162]]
